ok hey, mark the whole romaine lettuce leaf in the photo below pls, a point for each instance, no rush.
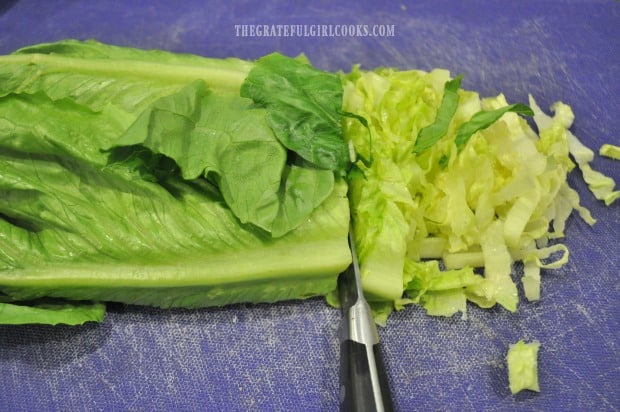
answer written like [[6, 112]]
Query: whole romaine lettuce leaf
[[77, 230]]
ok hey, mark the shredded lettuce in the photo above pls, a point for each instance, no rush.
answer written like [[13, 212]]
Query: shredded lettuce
[[470, 188], [442, 293], [601, 186], [522, 361]]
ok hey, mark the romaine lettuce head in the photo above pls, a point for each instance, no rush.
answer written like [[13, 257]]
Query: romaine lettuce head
[[145, 177]]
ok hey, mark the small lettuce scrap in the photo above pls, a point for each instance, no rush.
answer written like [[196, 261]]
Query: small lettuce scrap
[[610, 150], [522, 362]]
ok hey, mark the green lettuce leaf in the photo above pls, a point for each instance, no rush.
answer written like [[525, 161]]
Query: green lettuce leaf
[[163, 96], [225, 139], [304, 108], [430, 134], [97, 74], [51, 313], [484, 119], [81, 230]]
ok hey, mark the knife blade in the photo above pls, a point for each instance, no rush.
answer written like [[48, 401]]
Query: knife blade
[[363, 378]]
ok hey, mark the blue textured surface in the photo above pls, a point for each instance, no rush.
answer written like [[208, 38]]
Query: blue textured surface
[[285, 356]]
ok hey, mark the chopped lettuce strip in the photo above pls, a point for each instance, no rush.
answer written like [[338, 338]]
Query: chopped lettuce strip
[[522, 361], [430, 134], [600, 185], [484, 119], [51, 313], [610, 150], [174, 215], [484, 194]]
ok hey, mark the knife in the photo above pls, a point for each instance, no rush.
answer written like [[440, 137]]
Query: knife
[[363, 379]]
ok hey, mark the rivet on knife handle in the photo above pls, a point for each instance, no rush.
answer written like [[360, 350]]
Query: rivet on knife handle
[[363, 380]]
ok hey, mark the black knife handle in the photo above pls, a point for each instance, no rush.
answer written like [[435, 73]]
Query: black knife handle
[[356, 385]]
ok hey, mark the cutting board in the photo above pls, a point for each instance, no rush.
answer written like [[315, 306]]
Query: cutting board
[[284, 357]]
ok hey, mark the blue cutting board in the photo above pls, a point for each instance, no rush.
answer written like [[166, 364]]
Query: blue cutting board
[[284, 357]]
